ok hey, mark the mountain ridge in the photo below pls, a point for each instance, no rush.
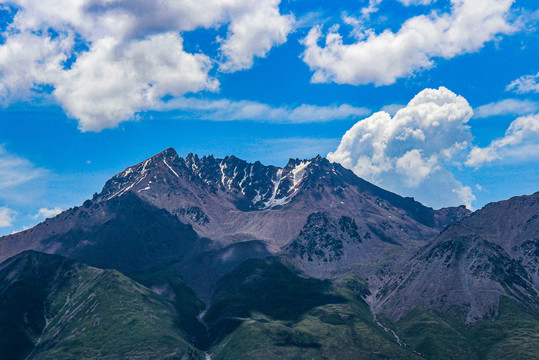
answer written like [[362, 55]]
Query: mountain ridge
[[204, 231], [209, 194]]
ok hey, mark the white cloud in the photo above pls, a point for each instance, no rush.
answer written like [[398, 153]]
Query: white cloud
[[525, 84], [415, 168], [254, 33], [416, 2], [383, 58], [108, 84], [226, 110], [369, 9], [465, 194], [7, 216], [15, 171], [27, 60], [506, 107], [21, 182], [45, 213], [521, 140], [108, 60], [411, 153]]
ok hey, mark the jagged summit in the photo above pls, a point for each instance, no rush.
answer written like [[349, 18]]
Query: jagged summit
[[263, 186], [230, 200], [220, 196]]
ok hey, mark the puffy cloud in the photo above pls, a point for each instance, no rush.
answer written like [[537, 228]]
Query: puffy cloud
[[525, 84], [45, 213], [415, 168], [7, 217], [254, 33], [383, 58], [108, 85], [226, 110], [106, 60], [521, 139], [506, 107], [411, 153], [28, 60]]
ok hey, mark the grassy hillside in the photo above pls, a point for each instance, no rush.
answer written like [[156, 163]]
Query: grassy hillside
[[514, 334], [262, 310], [54, 308]]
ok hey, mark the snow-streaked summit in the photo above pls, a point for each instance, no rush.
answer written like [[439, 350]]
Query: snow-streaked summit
[[265, 187]]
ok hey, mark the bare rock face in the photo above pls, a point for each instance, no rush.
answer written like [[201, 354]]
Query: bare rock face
[[471, 264], [328, 246]]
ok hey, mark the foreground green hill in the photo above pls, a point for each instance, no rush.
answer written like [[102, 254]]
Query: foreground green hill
[[513, 334], [54, 308], [263, 310]]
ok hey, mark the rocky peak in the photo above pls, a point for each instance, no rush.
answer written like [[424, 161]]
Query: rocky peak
[[254, 186], [141, 173], [323, 238], [264, 186]]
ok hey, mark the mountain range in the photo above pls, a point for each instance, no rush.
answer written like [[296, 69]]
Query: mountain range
[[225, 259]]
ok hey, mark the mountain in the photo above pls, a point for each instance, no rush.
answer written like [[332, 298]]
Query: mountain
[[230, 200], [492, 253], [227, 201], [124, 233], [245, 261], [53, 307]]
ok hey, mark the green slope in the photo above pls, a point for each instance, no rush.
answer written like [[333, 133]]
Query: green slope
[[514, 334], [54, 308], [263, 310]]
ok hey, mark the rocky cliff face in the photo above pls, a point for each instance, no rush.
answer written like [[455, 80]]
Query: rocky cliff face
[[472, 263]]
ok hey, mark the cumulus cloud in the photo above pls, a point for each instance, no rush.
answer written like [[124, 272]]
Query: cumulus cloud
[[108, 85], [521, 139], [506, 107], [45, 213], [412, 152], [525, 84], [383, 58], [7, 216], [254, 33], [227, 110], [106, 60]]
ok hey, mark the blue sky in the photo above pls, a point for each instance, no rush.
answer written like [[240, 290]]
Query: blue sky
[[89, 88]]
